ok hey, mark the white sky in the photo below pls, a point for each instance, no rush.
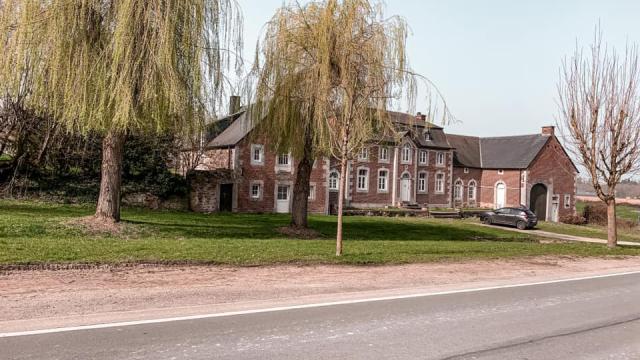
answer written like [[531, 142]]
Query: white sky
[[496, 61]]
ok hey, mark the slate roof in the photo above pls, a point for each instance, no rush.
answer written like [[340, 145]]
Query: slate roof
[[467, 150], [234, 128], [234, 132], [505, 152]]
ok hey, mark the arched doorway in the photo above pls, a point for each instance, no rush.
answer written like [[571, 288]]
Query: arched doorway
[[405, 188], [538, 201]]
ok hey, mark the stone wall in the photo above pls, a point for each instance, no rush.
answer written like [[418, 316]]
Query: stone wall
[[204, 189]]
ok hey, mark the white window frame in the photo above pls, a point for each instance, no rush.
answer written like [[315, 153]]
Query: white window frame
[[364, 178], [500, 172], [423, 157], [440, 158], [383, 180], [427, 136], [458, 188], [567, 201], [312, 192], [363, 155], [472, 190], [260, 186], [422, 182], [337, 180], [406, 150], [385, 150], [260, 148], [466, 170], [284, 167], [439, 184]]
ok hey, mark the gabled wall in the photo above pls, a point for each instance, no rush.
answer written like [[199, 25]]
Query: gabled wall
[[553, 168]]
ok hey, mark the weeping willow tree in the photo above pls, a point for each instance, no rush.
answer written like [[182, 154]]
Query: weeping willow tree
[[118, 67], [328, 72]]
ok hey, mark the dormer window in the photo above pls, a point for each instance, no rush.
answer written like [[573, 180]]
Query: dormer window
[[427, 135]]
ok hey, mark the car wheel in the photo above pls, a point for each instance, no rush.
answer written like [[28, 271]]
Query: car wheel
[[487, 220], [521, 225]]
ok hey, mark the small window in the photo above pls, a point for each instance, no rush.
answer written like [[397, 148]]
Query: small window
[[383, 180], [283, 192], [383, 154], [457, 190], [333, 180], [440, 158], [363, 180], [256, 191], [312, 192], [406, 154], [283, 160], [440, 183], [422, 182], [364, 154], [466, 170], [567, 201], [423, 157], [500, 172], [257, 154], [427, 136]]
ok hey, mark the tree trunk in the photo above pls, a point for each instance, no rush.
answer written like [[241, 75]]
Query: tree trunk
[[612, 228], [299, 206], [108, 207], [341, 193]]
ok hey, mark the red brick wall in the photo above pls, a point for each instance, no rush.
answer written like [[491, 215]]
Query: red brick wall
[[553, 168], [473, 174], [267, 174], [373, 198], [490, 178]]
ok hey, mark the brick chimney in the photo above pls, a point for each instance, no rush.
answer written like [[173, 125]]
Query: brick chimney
[[234, 104], [548, 130], [421, 117]]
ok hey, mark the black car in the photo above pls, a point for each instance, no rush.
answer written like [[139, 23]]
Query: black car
[[521, 217]]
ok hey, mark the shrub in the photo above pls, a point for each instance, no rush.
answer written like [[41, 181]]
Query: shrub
[[595, 213], [573, 220]]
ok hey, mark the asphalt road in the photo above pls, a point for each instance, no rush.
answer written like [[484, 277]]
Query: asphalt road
[[584, 319]]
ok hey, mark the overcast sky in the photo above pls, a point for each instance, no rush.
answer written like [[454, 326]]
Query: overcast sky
[[496, 61]]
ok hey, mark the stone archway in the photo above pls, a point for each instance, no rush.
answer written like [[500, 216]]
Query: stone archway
[[538, 201]]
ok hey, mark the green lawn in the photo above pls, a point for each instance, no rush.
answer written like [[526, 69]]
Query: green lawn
[[626, 212], [35, 233], [592, 231]]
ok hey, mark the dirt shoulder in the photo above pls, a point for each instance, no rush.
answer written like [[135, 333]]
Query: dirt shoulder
[[43, 299]]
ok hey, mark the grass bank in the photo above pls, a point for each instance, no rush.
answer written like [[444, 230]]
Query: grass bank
[[37, 233]]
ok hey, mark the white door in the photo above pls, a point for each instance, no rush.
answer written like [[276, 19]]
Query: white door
[[555, 205], [501, 194], [283, 197], [405, 189]]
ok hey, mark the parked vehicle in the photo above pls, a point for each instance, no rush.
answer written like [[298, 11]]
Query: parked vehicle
[[521, 217]]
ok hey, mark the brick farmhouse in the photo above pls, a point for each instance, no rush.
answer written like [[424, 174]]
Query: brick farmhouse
[[420, 167]]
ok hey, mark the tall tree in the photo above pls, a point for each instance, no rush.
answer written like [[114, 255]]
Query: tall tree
[[599, 103], [328, 71], [118, 67]]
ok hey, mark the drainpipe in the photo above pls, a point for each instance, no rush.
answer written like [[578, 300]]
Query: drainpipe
[[395, 176]]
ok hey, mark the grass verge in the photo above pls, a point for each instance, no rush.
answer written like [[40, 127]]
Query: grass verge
[[38, 233]]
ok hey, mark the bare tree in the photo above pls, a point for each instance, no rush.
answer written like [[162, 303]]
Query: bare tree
[[600, 117]]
